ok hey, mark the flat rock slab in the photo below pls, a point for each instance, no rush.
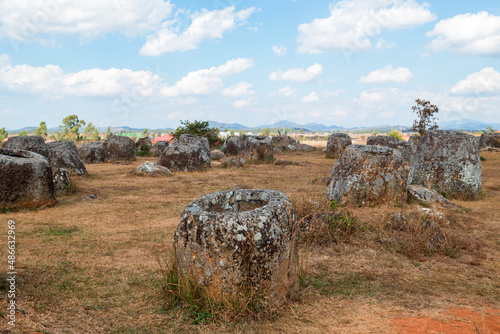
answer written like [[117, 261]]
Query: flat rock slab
[[368, 173], [448, 162], [149, 168], [25, 179], [229, 241], [430, 196]]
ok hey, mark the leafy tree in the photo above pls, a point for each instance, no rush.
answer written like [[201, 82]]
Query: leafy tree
[[3, 134], [489, 129], [197, 128], [41, 130], [145, 132], [91, 133], [70, 128], [396, 134], [232, 132], [23, 133], [108, 133], [425, 116]]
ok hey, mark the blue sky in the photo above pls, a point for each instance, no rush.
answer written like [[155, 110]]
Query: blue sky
[[151, 63]]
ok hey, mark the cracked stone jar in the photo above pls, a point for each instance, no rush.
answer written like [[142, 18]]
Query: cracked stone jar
[[232, 241]]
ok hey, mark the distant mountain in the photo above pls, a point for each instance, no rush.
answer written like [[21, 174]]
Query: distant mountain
[[467, 124], [222, 126], [296, 126]]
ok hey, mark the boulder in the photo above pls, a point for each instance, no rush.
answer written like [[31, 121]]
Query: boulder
[[149, 168], [386, 141], [25, 179], [259, 148], [63, 154], [233, 146], [195, 140], [187, 154], [282, 142], [235, 242], [143, 145], [233, 162], [368, 173], [120, 148], [302, 148], [93, 152], [489, 140], [448, 162], [336, 144], [29, 143], [217, 155], [62, 182], [159, 147], [410, 148]]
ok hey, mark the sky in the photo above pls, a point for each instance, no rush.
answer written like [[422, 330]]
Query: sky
[[152, 63]]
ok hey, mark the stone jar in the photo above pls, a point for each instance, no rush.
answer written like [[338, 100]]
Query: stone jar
[[232, 241]]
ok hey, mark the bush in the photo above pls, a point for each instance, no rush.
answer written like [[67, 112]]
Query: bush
[[396, 134]]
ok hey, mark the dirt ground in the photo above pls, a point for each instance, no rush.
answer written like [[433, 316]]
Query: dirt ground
[[95, 265]]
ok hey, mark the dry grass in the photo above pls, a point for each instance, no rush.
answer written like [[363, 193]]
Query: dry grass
[[92, 266]]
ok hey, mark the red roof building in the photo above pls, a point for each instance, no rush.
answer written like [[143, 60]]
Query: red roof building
[[167, 137]]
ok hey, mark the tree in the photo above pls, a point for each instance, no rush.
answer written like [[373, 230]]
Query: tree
[[108, 133], [489, 129], [70, 128], [425, 116], [145, 132], [232, 132], [3, 134], [23, 133], [396, 134], [41, 130], [91, 133]]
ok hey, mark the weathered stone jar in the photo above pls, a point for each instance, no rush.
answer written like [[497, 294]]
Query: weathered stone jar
[[230, 241], [25, 179]]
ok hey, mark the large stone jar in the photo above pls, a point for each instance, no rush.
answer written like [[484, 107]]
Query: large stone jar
[[25, 179], [232, 241]]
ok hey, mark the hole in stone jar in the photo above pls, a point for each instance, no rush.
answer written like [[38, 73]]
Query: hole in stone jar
[[236, 206]]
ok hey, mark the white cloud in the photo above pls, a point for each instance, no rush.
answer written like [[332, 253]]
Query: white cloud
[[484, 82], [279, 50], [205, 25], [471, 34], [239, 89], [25, 20], [297, 74], [382, 44], [51, 81], [287, 91], [388, 73], [312, 97], [352, 22], [242, 103], [207, 81]]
